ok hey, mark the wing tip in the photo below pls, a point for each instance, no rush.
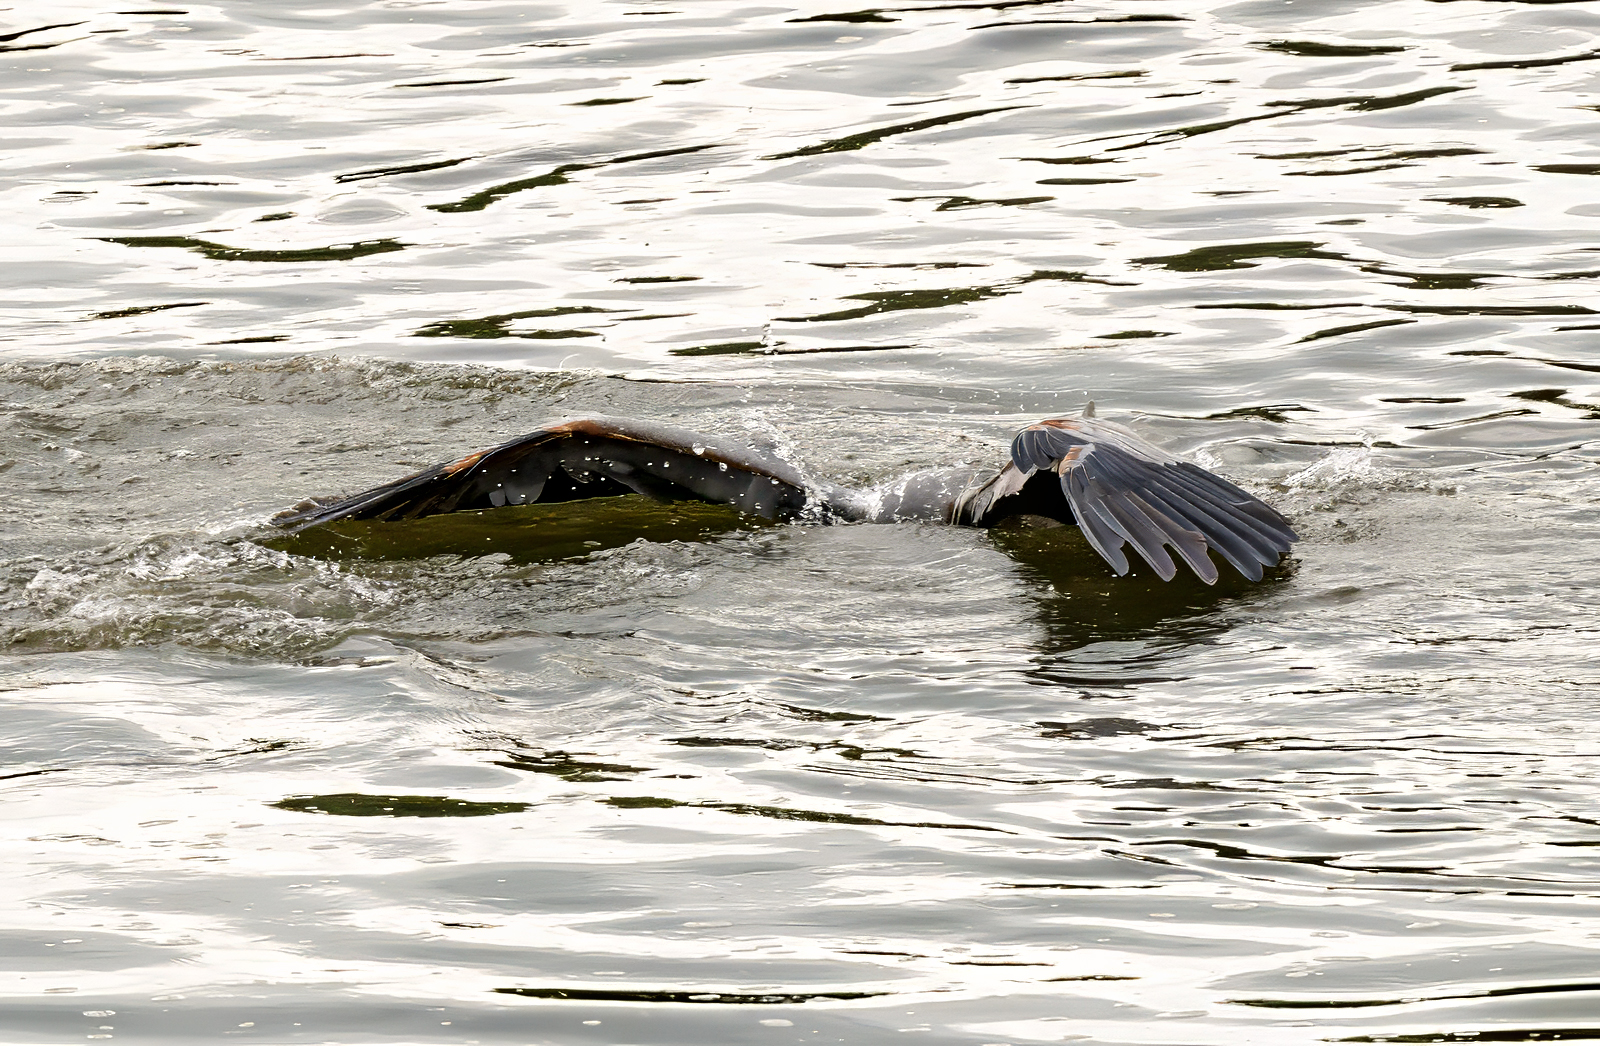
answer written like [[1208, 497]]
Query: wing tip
[[1106, 483]]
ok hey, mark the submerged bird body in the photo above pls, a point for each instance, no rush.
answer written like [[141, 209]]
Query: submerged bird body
[[1116, 487]]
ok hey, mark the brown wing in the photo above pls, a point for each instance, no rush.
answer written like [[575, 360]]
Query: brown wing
[[1120, 489], [581, 458]]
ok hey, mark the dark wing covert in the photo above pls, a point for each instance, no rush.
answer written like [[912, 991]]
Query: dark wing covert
[[581, 458]]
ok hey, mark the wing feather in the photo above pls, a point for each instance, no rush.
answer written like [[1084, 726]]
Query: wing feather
[[1215, 532], [581, 458], [1121, 489], [1116, 479], [1138, 529], [1096, 523], [1188, 541], [1262, 534]]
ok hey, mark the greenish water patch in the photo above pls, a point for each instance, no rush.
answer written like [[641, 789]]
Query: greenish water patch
[[20, 33], [1494, 310], [1101, 20], [1354, 328], [1370, 102], [1312, 155], [1422, 154], [896, 301], [1194, 130], [1476, 202], [848, 16], [1087, 976], [1129, 335], [1496, 1035], [606, 101], [357, 804], [734, 348], [1484, 993], [1526, 63], [484, 197], [1314, 49], [770, 744], [1433, 310], [456, 83], [722, 348], [220, 252], [1278, 413], [824, 715], [547, 334], [900, 265], [956, 203], [1118, 74], [781, 813], [862, 139], [524, 533], [877, 14], [1098, 726], [1476, 419], [1375, 161], [656, 279], [1559, 398], [141, 310], [1082, 603], [387, 172], [569, 768], [1275, 306], [1363, 102], [1083, 181], [1349, 170], [687, 995], [1568, 168], [1237, 255], [1070, 159], [1435, 281], [499, 325], [556, 176]]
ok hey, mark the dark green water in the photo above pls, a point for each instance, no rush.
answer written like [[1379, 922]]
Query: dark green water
[[628, 773]]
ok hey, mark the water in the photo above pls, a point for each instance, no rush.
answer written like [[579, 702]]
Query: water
[[523, 778]]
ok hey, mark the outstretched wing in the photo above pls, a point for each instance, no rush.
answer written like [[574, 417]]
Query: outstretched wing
[[1120, 489], [581, 458]]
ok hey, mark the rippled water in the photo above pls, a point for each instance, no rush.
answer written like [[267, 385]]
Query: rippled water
[[523, 778]]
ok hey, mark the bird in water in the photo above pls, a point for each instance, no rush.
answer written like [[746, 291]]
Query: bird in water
[[1116, 487]]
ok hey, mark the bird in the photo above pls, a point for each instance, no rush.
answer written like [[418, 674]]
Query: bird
[[1118, 488]]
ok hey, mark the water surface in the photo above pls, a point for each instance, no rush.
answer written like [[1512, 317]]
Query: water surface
[[634, 773]]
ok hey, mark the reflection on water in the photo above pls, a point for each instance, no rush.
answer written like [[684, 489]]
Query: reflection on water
[[352, 804], [1079, 604], [633, 773], [523, 534]]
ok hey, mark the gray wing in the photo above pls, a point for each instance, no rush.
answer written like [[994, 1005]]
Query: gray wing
[[1120, 489], [581, 458]]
